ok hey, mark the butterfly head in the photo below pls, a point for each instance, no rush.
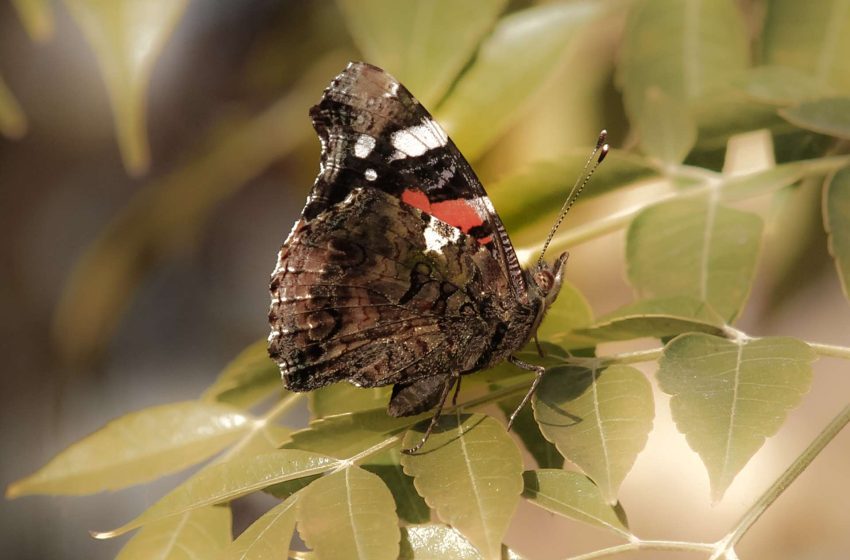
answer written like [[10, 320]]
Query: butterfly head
[[548, 278]]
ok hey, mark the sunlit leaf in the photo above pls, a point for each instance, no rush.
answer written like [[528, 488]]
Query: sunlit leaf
[[836, 216], [410, 506], [439, 542], [226, 481], [138, 447], [778, 85], [779, 177], [167, 216], [13, 122], [470, 472], [695, 248], [37, 17], [127, 37], [423, 43], [728, 396], [657, 318], [266, 538], [340, 398], [249, 378], [525, 426], [503, 77], [349, 514], [573, 495], [262, 437], [200, 533], [569, 313], [599, 420], [812, 37], [829, 116]]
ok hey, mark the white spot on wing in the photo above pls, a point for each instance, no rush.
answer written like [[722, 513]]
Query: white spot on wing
[[416, 140], [439, 234], [364, 146], [370, 174]]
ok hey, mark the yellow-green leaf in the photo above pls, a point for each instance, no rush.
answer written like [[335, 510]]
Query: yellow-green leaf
[[470, 472], [696, 248], [13, 122], [249, 378], [226, 481], [341, 398], [830, 116], [573, 495], [836, 217], [599, 420], [423, 43], [778, 85], [138, 447], [503, 77], [349, 514], [728, 396], [200, 533], [665, 126], [37, 17], [545, 454], [127, 36], [410, 506], [266, 538], [569, 313], [439, 542]]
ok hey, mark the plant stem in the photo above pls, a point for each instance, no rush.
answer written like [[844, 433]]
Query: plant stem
[[830, 350], [791, 473], [645, 545]]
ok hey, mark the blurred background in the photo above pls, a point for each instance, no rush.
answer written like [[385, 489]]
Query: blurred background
[[179, 240]]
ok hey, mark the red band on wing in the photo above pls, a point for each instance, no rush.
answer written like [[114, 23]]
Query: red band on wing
[[458, 213]]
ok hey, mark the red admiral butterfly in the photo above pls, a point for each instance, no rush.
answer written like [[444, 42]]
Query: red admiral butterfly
[[399, 270]]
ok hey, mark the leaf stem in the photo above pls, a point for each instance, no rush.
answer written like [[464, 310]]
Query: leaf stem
[[778, 487], [632, 357], [645, 545], [830, 350]]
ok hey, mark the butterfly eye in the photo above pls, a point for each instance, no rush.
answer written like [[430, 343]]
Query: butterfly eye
[[544, 280]]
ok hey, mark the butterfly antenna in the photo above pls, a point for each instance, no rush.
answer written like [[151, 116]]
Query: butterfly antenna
[[586, 173]]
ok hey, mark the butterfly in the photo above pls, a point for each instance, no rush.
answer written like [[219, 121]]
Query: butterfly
[[399, 271]]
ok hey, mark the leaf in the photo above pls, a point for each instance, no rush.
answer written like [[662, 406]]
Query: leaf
[[544, 185], [439, 542], [200, 533], [779, 85], [502, 78], [13, 122], [657, 318], [127, 37], [569, 313], [227, 481], [545, 454], [410, 506], [573, 495], [728, 396], [812, 37], [267, 537], [341, 398], [246, 380], [825, 116], [836, 217], [349, 514], [695, 248], [423, 43], [666, 129], [599, 420], [37, 17], [470, 472], [136, 448], [776, 178]]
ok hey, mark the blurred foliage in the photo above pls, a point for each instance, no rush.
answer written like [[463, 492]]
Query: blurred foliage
[[688, 78]]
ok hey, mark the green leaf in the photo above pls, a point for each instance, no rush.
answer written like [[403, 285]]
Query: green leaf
[[778, 85], [525, 426], [136, 448], [227, 481], [341, 398], [728, 396], [667, 130], [267, 537], [248, 379], [776, 178], [836, 217], [423, 43], [569, 313], [37, 17], [127, 36], [439, 542], [657, 318], [349, 514], [13, 122], [200, 533], [812, 37], [573, 495], [825, 116], [544, 185], [503, 77], [599, 420], [695, 248], [470, 472], [410, 506]]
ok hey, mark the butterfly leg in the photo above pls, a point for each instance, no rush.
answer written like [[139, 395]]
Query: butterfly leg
[[539, 370], [454, 379]]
